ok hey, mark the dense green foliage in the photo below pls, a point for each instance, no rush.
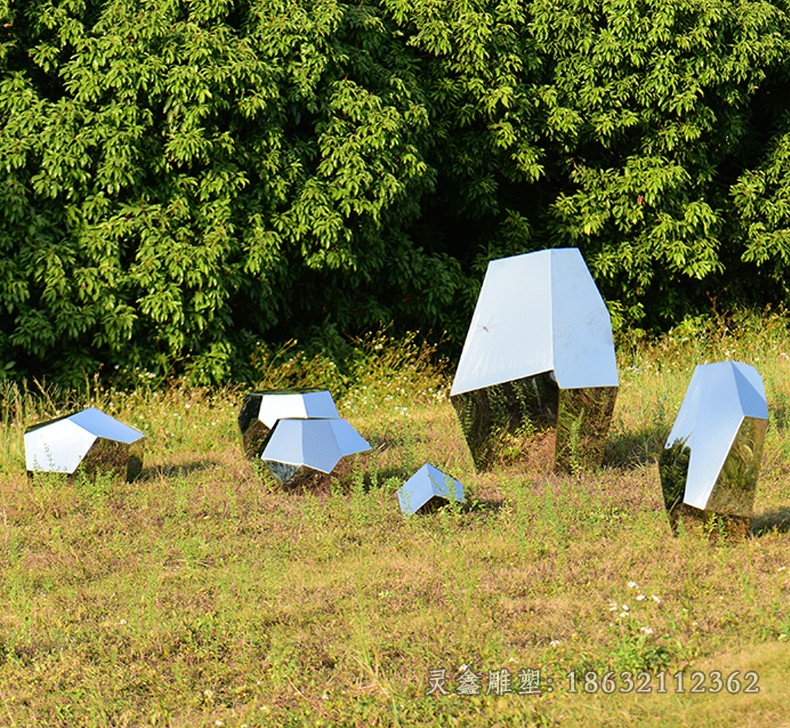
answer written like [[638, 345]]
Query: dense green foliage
[[181, 180]]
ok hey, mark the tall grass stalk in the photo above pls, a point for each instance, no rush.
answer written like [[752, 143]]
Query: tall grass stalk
[[204, 594]]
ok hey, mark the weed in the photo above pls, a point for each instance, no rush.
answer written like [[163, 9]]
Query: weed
[[204, 592]]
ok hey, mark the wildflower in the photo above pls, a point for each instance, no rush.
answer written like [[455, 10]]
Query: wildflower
[[640, 597], [656, 599], [625, 607], [632, 585], [554, 643], [646, 630]]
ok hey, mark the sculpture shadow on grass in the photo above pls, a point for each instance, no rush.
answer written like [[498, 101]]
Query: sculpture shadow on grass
[[765, 523], [780, 412], [381, 478], [176, 471], [634, 449], [483, 506]]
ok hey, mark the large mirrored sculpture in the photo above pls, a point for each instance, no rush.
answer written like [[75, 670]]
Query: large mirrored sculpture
[[427, 489], [299, 448], [89, 440], [539, 352], [261, 410], [711, 459]]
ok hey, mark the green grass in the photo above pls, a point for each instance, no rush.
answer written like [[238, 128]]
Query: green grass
[[203, 594]]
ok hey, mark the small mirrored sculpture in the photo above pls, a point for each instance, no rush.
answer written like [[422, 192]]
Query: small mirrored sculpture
[[261, 410], [89, 440], [539, 352], [711, 458], [427, 489], [298, 448]]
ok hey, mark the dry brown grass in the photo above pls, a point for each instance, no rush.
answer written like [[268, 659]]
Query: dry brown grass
[[204, 593]]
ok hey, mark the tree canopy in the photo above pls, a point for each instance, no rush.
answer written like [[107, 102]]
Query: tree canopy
[[182, 179]]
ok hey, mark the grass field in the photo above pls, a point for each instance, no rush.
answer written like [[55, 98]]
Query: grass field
[[203, 594]]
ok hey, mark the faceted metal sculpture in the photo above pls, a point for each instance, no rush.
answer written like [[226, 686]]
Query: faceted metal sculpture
[[261, 410], [89, 440], [539, 352], [428, 488], [297, 448], [711, 459]]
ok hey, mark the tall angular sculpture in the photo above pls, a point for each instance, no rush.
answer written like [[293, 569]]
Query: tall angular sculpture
[[427, 488], [261, 410], [298, 448], [539, 352], [89, 440], [711, 458]]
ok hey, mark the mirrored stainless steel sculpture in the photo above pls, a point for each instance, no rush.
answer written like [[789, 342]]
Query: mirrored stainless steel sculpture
[[539, 352], [711, 459], [261, 410], [298, 448], [428, 488], [89, 440]]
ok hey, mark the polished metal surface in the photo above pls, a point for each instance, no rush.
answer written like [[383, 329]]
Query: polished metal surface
[[428, 488], [261, 410], [89, 440], [583, 422], [712, 456], [538, 312], [487, 415], [310, 443], [539, 353], [286, 473]]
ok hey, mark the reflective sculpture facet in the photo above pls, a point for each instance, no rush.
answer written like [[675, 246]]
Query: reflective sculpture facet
[[428, 488], [89, 440], [297, 448], [711, 458], [539, 352], [261, 410]]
